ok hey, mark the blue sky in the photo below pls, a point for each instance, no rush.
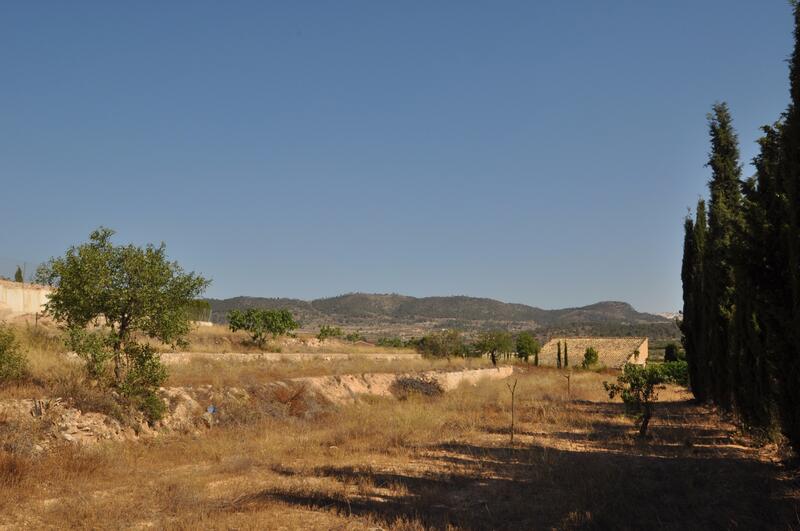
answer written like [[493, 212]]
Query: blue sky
[[534, 152]]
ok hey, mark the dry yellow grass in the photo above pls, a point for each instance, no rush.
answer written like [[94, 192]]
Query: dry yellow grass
[[417, 464]]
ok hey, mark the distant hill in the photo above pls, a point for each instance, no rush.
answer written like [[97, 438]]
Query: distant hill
[[383, 313]]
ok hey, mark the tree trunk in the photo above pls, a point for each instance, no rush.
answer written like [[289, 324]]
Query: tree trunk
[[646, 414], [493, 354]]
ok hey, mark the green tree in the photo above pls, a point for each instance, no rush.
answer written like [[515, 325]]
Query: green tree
[[590, 358], [566, 354], [637, 387], [18, 275], [724, 224], [494, 342], [326, 332], [121, 290], [693, 326], [444, 343], [261, 323], [527, 346], [671, 352]]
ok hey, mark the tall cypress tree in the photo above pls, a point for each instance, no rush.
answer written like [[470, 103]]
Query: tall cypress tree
[[558, 359], [566, 355], [787, 323], [724, 223], [693, 325]]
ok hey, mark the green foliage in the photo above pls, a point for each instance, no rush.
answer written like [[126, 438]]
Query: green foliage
[[637, 387], [354, 337], [260, 323], [145, 375], [494, 342], [398, 342], [674, 372], [13, 363], [671, 352], [444, 343], [590, 358], [122, 287], [326, 331], [95, 348], [527, 346], [18, 275], [121, 290]]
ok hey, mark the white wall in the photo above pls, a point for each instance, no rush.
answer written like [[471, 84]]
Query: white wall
[[20, 299]]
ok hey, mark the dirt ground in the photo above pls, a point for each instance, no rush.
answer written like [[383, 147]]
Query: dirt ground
[[424, 462]]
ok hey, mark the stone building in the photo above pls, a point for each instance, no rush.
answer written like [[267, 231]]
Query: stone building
[[17, 298], [613, 352]]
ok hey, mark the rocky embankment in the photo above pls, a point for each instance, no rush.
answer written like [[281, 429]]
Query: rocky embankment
[[35, 425]]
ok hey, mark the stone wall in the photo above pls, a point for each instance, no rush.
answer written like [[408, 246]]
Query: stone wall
[[17, 298], [613, 352]]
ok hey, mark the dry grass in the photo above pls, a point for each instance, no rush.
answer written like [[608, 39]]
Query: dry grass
[[416, 464]]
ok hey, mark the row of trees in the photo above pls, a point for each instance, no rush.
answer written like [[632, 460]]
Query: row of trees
[[741, 273]]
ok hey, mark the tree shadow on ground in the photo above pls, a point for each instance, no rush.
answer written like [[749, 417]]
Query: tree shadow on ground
[[533, 486]]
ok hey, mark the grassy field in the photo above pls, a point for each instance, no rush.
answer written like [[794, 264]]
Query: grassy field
[[420, 463]]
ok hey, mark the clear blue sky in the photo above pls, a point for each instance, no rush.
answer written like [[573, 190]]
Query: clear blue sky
[[535, 152]]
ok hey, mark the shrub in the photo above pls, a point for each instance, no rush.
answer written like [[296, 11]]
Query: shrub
[[444, 343], [637, 387], [394, 342], [13, 363], [672, 352], [355, 336], [145, 375], [674, 372], [95, 348], [329, 331], [590, 358]]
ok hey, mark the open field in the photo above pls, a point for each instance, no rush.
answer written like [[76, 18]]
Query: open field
[[419, 463]]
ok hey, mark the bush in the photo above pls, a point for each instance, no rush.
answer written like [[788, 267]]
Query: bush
[[672, 352], [590, 358], [674, 372], [145, 375], [329, 331], [355, 336], [13, 363], [441, 344], [95, 348]]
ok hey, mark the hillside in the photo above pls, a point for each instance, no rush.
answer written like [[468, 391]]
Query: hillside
[[402, 314]]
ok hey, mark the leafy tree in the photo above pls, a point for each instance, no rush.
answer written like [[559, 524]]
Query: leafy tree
[[493, 343], [444, 343], [590, 358], [18, 275], [326, 331], [637, 387], [671, 352], [527, 346], [13, 363], [260, 323], [123, 289]]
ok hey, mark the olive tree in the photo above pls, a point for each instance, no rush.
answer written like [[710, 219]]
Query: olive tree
[[493, 343], [113, 292]]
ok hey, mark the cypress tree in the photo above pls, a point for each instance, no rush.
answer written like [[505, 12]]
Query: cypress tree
[[558, 359], [566, 355], [787, 227], [18, 275], [693, 325], [724, 223]]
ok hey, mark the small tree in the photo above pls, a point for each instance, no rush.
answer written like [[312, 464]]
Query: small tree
[[326, 331], [637, 387], [493, 343], [18, 275], [671, 352], [260, 323], [590, 358], [121, 290], [527, 346]]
